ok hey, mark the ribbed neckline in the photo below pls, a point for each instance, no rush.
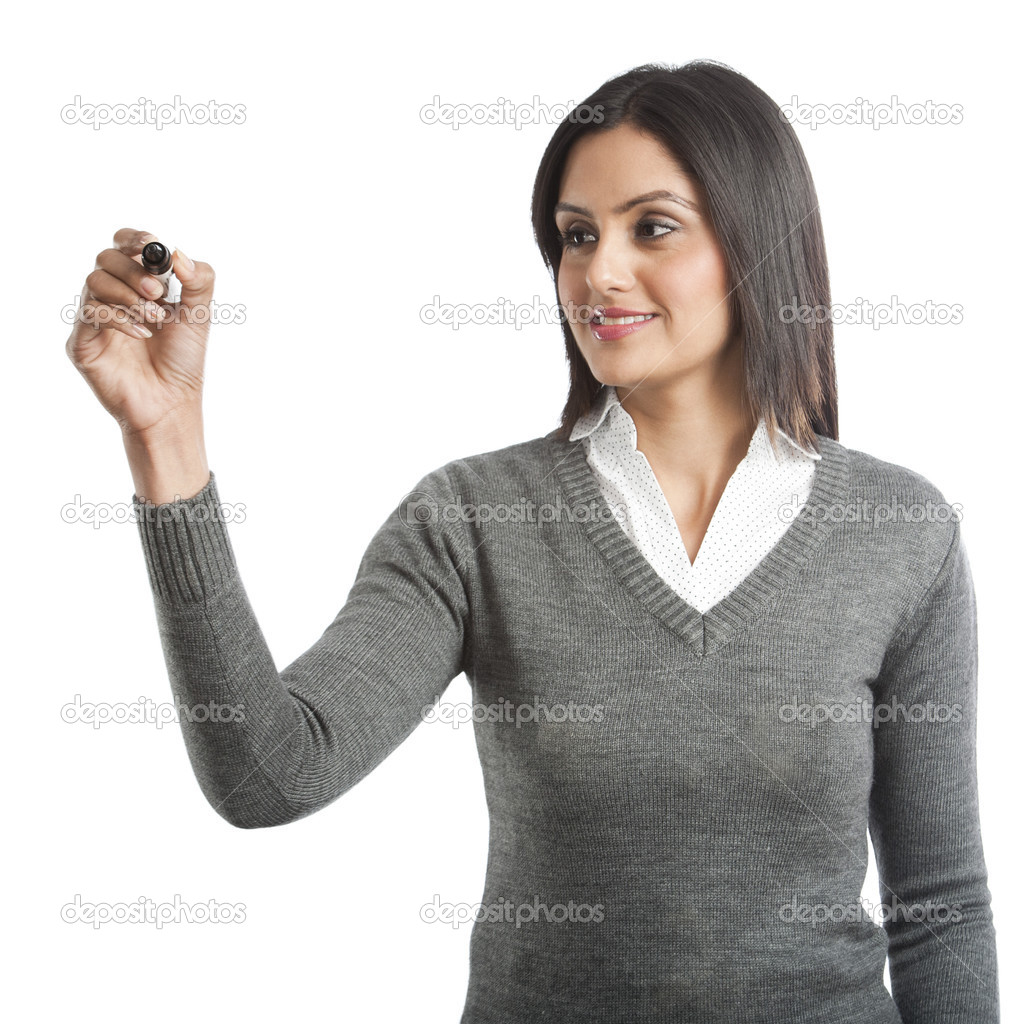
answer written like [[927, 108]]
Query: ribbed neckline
[[703, 634]]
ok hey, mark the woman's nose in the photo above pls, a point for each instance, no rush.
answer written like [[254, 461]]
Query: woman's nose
[[610, 267]]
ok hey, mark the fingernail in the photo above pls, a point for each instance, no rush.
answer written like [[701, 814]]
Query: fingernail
[[189, 265], [141, 332], [151, 286]]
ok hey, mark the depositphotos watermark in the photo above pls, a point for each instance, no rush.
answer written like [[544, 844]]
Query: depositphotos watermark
[[506, 912], [98, 315], [863, 511], [878, 115], [146, 111], [418, 510], [96, 515], [145, 711], [861, 710], [866, 911], [879, 315], [505, 710], [145, 911], [505, 312], [507, 112]]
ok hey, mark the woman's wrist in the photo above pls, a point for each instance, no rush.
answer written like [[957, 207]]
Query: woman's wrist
[[167, 463]]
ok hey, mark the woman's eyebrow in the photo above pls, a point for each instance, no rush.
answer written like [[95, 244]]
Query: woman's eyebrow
[[647, 197]]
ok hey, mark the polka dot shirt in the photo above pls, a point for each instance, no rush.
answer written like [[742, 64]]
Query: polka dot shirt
[[746, 524]]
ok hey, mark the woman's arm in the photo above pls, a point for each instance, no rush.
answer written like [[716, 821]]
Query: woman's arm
[[270, 747], [267, 747], [924, 819]]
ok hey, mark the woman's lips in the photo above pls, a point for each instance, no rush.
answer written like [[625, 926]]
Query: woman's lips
[[614, 323]]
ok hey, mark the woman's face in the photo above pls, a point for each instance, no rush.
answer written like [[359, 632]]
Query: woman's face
[[631, 253]]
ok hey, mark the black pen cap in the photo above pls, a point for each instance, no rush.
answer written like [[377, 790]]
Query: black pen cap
[[156, 258]]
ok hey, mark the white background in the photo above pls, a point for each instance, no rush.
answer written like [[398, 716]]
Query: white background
[[333, 214]]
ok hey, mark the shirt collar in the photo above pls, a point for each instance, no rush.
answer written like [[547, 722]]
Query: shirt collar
[[601, 415], [590, 421]]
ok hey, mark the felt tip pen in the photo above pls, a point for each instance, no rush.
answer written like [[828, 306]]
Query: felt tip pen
[[157, 260]]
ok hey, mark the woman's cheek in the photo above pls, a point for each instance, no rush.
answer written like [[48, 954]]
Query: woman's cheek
[[565, 282], [569, 295]]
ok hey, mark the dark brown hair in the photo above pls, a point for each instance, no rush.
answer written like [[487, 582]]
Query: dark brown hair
[[731, 138]]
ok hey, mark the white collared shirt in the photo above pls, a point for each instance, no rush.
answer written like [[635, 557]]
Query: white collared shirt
[[746, 524]]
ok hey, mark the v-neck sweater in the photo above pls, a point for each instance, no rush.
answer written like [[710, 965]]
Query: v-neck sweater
[[678, 831]]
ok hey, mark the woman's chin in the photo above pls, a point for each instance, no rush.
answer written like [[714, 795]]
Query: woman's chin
[[621, 371]]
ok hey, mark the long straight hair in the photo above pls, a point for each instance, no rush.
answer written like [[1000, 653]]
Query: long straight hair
[[731, 138]]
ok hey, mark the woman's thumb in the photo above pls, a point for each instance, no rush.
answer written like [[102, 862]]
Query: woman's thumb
[[196, 280]]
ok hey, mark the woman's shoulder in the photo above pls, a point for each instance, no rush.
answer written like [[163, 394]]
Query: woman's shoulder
[[524, 463], [872, 476], [900, 512]]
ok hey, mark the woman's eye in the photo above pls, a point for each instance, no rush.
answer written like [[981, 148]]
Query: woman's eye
[[573, 238], [658, 226]]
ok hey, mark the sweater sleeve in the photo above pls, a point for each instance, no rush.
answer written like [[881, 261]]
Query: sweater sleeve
[[270, 747], [924, 819]]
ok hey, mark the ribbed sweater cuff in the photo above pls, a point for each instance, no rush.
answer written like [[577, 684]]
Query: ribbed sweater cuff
[[188, 553]]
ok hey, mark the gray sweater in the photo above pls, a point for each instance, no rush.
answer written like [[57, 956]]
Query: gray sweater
[[679, 803]]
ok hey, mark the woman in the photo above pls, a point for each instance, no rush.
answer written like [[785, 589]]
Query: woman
[[660, 606]]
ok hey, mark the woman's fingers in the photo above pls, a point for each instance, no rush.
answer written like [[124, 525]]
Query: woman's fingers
[[122, 266], [118, 293], [107, 287], [124, 262], [94, 316]]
